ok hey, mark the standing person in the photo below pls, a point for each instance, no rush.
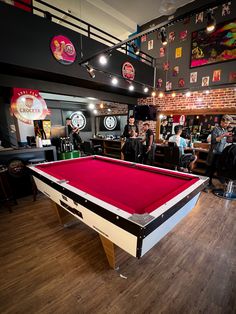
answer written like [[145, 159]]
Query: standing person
[[73, 133], [219, 137], [149, 139], [129, 127], [163, 129]]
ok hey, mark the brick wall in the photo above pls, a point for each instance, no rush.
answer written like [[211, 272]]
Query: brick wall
[[114, 109], [217, 100], [224, 98]]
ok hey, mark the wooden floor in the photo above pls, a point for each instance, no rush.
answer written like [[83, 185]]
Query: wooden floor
[[49, 269]]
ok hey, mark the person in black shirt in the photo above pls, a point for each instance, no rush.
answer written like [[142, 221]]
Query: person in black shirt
[[130, 127], [219, 137], [73, 133], [148, 141], [163, 130]]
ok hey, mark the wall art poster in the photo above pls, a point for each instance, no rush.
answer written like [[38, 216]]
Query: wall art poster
[[205, 81], [162, 52], [175, 71], [63, 50], [159, 82], [199, 17], [168, 85], [181, 82], [171, 37], [144, 38], [226, 8], [150, 44], [183, 35], [218, 46], [193, 77], [216, 76], [232, 77], [166, 66], [178, 52]]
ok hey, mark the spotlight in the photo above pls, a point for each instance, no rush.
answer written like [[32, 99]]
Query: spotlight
[[188, 94], [211, 21], [103, 59], [114, 81], [207, 92], [163, 36], [173, 94], [161, 95], [90, 70], [101, 106], [145, 89], [153, 94], [109, 110], [131, 87], [95, 111], [135, 48], [91, 106]]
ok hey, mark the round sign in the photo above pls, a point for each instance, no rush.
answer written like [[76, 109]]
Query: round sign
[[63, 50], [128, 71], [110, 123], [78, 120], [28, 106]]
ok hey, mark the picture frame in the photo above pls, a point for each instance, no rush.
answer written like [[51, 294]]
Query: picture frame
[[204, 50]]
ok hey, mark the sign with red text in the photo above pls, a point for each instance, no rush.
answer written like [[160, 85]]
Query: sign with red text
[[27, 105], [128, 71], [63, 50]]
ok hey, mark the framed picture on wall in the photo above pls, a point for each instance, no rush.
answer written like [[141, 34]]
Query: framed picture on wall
[[109, 123], [219, 46]]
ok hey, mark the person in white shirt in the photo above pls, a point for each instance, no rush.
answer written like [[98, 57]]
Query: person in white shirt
[[186, 160]]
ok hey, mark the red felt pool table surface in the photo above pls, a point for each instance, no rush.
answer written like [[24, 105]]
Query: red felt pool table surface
[[134, 189]]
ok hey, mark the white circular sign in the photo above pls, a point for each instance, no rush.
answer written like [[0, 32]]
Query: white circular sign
[[78, 120], [110, 123]]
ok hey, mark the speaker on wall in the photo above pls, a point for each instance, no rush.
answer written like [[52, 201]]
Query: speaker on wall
[[147, 112]]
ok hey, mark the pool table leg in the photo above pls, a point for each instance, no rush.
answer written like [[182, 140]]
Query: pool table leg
[[109, 248], [64, 218]]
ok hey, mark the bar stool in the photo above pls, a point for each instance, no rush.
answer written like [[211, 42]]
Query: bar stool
[[6, 194], [35, 161]]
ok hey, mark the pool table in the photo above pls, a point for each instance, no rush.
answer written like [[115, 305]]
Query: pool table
[[130, 205]]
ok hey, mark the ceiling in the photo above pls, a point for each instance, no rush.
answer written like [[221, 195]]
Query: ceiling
[[118, 18]]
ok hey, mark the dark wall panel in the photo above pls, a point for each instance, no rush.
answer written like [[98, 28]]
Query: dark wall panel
[[184, 62]]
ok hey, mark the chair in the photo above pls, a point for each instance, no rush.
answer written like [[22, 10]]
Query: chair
[[34, 161], [172, 155], [6, 193]]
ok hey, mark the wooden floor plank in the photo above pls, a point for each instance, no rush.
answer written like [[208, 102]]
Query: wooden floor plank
[[46, 268]]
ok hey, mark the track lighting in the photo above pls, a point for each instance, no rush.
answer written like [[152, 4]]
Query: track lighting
[[161, 95], [95, 111], [173, 94], [211, 21], [145, 89], [131, 87], [114, 81], [103, 59], [135, 48], [163, 36], [91, 106], [90, 70], [188, 94], [153, 94]]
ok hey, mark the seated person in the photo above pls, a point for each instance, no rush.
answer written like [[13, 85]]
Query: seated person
[[186, 160]]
